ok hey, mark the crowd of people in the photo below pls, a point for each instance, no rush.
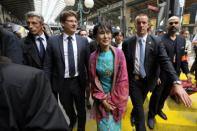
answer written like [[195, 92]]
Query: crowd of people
[[39, 70]]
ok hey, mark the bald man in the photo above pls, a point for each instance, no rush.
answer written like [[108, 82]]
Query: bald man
[[175, 48]]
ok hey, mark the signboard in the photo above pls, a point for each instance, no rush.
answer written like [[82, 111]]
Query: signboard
[[186, 18]]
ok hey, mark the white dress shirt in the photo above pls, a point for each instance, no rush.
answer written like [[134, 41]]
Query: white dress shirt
[[65, 46], [137, 53], [119, 46]]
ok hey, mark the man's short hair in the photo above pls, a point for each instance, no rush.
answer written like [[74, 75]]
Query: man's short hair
[[35, 14], [172, 18], [141, 14], [82, 30], [65, 14]]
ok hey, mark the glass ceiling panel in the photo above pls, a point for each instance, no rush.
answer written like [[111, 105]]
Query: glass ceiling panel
[[49, 9]]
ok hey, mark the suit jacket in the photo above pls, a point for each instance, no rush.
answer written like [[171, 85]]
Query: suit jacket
[[31, 53], [27, 102], [155, 54], [54, 64], [93, 46], [10, 46], [179, 50]]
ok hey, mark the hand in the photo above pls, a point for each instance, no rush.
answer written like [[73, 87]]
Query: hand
[[108, 106], [189, 77], [182, 94], [158, 81]]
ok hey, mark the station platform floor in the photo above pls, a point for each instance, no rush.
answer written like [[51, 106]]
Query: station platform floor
[[180, 118]]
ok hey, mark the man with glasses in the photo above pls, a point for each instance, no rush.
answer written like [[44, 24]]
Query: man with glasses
[[66, 64], [175, 48]]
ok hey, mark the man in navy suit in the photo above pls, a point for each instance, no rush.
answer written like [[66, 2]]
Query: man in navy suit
[[143, 53], [175, 48], [66, 64]]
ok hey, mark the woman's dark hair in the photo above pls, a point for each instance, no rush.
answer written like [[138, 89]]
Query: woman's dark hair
[[101, 27]]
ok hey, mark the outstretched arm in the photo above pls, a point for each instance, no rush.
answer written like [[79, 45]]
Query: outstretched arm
[[182, 94]]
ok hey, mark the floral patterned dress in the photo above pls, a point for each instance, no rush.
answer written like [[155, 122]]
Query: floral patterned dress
[[105, 70]]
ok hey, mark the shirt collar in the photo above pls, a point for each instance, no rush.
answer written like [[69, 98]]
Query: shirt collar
[[65, 36], [119, 44], [42, 36], [142, 38]]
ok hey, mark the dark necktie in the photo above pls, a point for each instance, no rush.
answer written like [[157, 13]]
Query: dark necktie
[[42, 49], [71, 61], [142, 70]]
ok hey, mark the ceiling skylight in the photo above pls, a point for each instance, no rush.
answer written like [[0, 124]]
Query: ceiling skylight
[[49, 9]]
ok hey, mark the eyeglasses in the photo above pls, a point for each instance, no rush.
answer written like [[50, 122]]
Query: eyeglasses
[[176, 22], [71, 21]]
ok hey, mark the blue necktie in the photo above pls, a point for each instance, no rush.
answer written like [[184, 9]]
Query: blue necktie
[[142, 70], [71, 61], [42, 49]]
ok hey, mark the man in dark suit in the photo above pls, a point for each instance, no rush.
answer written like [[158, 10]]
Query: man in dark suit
[[82, 32], [66, 64], [27, 103], [35, 43], [10, 46], [175, 48], [143, 54]]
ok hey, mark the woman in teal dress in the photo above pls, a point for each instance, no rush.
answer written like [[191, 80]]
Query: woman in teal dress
[[109, 81]]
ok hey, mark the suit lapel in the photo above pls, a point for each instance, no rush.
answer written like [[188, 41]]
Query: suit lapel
[[60, 41], [147, 51], [33, 51], [133, 49], [78, 49]]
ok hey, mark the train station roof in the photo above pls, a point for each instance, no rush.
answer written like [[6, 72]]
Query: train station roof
[[18, 8]]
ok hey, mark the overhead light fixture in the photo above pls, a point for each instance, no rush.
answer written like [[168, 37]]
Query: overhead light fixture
[[89, 3]]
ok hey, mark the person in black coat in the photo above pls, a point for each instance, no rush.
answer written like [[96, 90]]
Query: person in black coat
[[143, 53], [175, 48], [35, 44], [27, 102], [10, 46]]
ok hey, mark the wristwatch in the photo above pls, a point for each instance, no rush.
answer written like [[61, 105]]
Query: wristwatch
[[177, 82]]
